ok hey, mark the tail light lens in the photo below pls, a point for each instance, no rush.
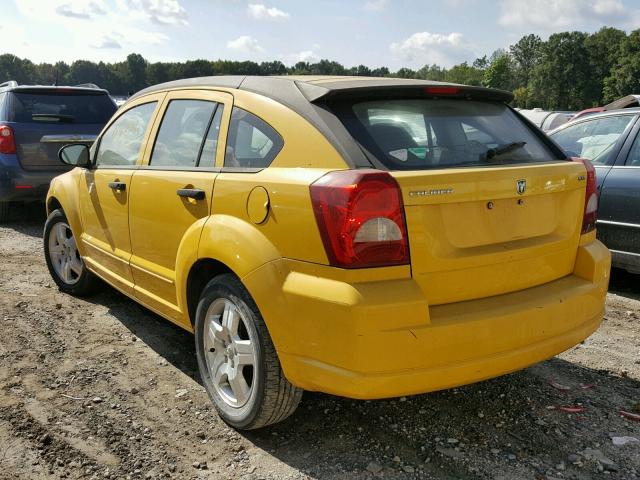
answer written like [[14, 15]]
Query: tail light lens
[[590, 198], [7, 141], [361, 220]]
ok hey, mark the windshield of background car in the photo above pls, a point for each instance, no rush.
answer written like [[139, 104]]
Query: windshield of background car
[[63, 107], [417, 134], [593, 139]]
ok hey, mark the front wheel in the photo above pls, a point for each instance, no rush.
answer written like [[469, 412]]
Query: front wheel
[[63, 258], [238, 363]]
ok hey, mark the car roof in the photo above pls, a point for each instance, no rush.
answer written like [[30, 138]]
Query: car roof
[[287, 88]]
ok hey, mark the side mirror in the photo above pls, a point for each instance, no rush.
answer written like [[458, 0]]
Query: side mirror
[[76, 155]]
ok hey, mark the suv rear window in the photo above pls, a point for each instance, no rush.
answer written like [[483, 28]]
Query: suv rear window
[[62, 107], [418, 134]]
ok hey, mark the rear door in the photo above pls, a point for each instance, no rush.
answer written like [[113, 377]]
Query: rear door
[[172, 191], [619, 215], [44, 120], [491, 206], [104, 192]]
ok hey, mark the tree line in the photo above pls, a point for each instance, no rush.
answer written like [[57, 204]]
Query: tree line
[[568, 71]]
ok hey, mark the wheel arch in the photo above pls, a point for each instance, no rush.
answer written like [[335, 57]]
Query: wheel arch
[[225, 244], [63, 194]]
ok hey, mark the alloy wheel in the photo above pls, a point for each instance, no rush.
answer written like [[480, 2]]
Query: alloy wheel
[[64, 255], [230, 352]]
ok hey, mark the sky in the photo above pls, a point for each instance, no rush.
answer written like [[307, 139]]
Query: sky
[[392, 33]]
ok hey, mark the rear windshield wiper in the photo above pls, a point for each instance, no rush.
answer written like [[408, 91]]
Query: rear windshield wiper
[[501, 150], [56, 117]]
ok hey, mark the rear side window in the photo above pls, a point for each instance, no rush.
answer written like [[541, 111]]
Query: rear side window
[[181, 137], [61, 108], [120, 144], [593, 139], [417, 134], [251, 142]]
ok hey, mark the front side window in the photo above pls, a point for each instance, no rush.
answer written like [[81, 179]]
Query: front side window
[[251, 142], [120, 145], [417, 134], [181, 137], [593, 139]]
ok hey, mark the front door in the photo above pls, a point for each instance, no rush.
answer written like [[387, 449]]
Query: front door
[[105, 190], [171, 192]]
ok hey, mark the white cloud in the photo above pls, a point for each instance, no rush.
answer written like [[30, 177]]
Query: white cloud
[[81, 9], [108, 41], [375, 5], [549, 15], [426, 48], [245, 44], [161, 12], [303, 56], [262, 12]]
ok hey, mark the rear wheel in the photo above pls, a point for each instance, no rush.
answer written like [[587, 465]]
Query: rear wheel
[[238, 363], [63, 258]]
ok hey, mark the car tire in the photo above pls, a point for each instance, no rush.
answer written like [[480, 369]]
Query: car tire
[[4, 212], [63, 258], [235, 351]]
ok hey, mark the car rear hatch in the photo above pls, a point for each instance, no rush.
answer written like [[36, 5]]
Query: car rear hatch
[[45, 119], [491, 205]]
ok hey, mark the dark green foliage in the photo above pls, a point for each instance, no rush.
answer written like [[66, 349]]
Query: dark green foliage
[[570, 70]]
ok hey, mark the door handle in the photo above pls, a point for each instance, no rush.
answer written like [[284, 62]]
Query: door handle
[[118, 186], [194, 193]]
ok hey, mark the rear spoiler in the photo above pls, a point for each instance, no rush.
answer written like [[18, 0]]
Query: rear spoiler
[[399, 88]]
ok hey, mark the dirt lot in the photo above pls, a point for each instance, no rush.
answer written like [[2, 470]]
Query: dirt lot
[[101, 388]]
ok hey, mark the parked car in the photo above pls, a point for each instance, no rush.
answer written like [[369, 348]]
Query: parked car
[[546, 120], [364, 237], [611, 141], [35, 122], [628, 101]]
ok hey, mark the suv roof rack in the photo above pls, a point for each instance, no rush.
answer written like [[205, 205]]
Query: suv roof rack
[[9, 83], [88, 85]]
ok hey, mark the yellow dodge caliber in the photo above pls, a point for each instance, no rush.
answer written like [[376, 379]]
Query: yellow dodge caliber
[[364, 237]]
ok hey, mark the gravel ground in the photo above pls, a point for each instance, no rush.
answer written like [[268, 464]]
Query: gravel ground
[[100, 388]]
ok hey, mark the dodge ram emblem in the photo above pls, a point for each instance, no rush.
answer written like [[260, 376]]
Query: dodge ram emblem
[[521, 186]]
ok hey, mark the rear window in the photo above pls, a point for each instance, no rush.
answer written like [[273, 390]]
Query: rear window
[[61, 107], [417, 134]]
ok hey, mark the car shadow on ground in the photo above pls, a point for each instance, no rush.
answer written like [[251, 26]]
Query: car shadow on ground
[[624, 283], [27, 219], [509, 415]]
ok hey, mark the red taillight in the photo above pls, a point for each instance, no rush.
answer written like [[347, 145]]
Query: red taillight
[[7, 142], [361, 218], [590, 198], [444, 90]]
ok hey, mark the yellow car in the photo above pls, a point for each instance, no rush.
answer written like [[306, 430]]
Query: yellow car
[[364, 237]]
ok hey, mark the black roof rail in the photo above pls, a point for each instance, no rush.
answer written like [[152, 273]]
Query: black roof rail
[[88, 85], [9, 83]]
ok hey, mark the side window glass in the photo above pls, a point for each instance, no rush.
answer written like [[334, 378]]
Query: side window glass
[[251, 142], [633, 160], [208, 155], [182, 132], [120, 144], [593, 139]]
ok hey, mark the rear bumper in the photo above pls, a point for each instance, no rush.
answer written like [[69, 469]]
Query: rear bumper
[[19, 185], [381, 339]]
